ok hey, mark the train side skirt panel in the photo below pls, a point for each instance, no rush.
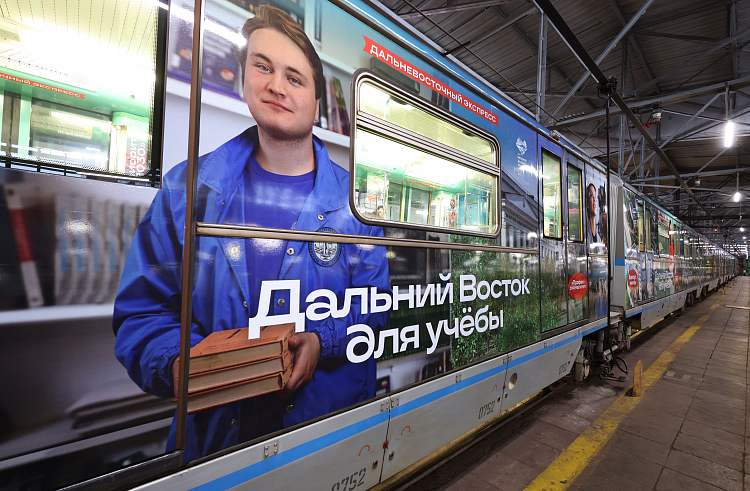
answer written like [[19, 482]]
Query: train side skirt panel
[[342, 450], [426, 417]]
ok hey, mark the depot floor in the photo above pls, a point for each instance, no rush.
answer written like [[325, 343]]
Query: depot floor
[[688, 430]]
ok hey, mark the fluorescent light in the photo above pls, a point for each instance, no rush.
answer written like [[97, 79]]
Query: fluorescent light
[[81, 120], [736, 196], [729, 134]]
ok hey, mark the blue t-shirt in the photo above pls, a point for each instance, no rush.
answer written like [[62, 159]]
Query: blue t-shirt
[[272, 201]]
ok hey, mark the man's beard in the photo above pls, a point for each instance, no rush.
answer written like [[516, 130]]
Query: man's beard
[[284, 135]]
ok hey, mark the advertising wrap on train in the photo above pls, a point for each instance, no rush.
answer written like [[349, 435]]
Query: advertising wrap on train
[[323, 304]]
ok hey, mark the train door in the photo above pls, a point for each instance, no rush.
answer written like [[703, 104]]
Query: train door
[[553, 252], [576, 266], [642, 234], [651, 248], [630, 233], [597, 237]]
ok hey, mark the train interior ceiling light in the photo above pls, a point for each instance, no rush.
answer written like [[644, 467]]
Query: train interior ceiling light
[[81, 93]]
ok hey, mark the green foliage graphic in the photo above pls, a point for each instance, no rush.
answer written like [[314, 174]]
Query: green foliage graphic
[[520, 313]]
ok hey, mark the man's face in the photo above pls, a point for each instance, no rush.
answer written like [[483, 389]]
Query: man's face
[[591, 201], [279, 86]]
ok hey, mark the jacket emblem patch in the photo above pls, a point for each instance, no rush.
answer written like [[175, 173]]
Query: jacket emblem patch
[[325, 253]]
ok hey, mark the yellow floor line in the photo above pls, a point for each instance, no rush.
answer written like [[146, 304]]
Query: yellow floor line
[[574, 459]]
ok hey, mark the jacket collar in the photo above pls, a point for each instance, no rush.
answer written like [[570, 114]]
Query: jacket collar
[[222, 169]]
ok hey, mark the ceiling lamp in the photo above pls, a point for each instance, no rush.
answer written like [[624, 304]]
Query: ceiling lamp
[[729, 134], [737, 189], [729, 127]]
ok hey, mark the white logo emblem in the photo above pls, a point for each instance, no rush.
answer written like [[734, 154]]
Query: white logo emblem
[[325, 253], [521, 144]]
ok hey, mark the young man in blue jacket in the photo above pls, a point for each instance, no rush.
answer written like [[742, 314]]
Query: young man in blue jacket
[[274, 175]]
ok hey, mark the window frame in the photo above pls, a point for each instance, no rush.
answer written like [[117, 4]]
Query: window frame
[[641, 212], [367, 122], [581, 202], [562, 213], [647, 232], [153, 145]]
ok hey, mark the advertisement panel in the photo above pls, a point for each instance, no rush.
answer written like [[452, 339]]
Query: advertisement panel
[[596, 211], [290, 329]]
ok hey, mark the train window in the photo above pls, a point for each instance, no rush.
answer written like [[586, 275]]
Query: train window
[[414, 165], [681, 241], [575, 220], [87, 115], [376, 101], [641, 237], [647, 229], [551, 192], [663, 236]]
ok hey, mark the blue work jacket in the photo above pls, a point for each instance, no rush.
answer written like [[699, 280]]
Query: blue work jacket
[[147, 309]]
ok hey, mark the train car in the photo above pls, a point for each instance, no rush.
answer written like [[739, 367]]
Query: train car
[[446, 257], [661, 265]]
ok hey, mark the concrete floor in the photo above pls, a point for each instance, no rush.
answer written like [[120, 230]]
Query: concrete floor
[[687, 431]]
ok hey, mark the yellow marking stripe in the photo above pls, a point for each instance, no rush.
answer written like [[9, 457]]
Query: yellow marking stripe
[[574, 459]]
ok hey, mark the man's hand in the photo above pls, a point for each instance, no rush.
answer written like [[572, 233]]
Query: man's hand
[[306, 349], [175, 374]]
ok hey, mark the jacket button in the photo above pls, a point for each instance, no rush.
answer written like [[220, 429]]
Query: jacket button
[[233, 423], [223, 203], [244, 303], [281, 302], [289, 409], [290, 251], [320, 217]]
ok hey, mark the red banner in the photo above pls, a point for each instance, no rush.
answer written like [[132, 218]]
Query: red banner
[[41, 86], [578, 286], [632, 279], [379, 52]]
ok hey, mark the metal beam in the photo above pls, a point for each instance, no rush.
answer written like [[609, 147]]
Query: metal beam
[[696, 115], [572, 41], [604, 54], [669, 186], [670, 6], [527, 39], [455, 8], [711, 124], [704, 219], [732, 31], [680, 113], [712, 160], [494, 30], [695, 174], [684, 37], [632, 41], [541, 78], [664, 100], [674, 134], [692, 60], [623, 122]]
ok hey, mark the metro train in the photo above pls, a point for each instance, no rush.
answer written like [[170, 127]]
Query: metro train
[[452, 256]]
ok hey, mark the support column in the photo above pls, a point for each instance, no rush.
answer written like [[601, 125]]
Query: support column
[[623, 88], [541, 76]]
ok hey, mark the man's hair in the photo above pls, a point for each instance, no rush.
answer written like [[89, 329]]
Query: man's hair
[[267, 17]]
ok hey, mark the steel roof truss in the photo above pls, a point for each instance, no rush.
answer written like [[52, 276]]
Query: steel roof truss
[[572, 41]]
